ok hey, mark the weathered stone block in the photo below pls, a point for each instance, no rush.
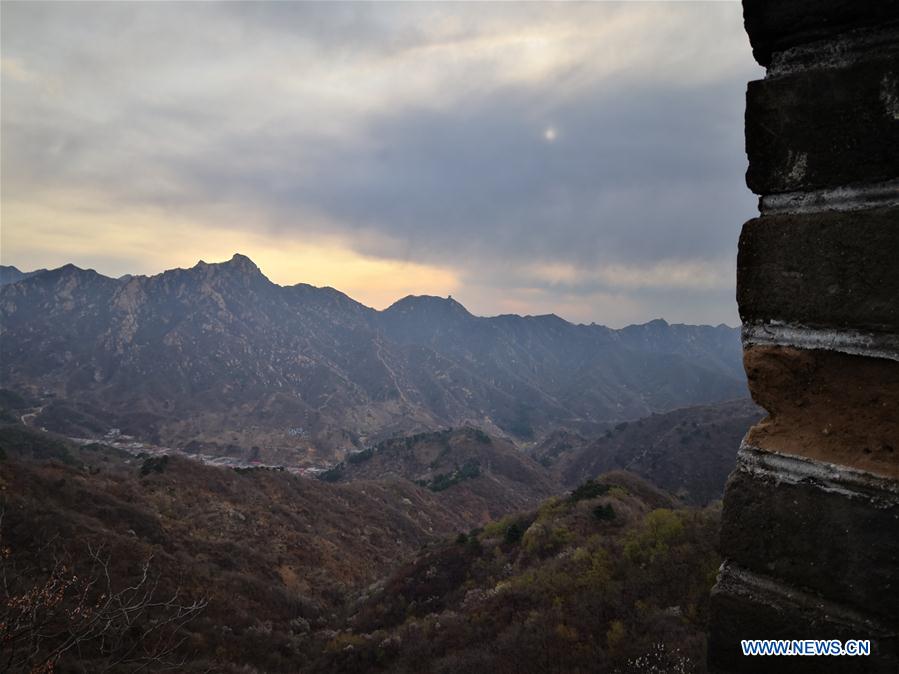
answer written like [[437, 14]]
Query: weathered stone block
[[827, 406], [828, 269], [748, 606], [832, 532], [823, 128], [776, 25]]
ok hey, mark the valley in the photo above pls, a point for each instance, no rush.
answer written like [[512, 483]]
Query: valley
[[320, 486], [371, 573]]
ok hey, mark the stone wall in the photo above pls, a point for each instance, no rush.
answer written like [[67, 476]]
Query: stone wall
[[810, 531]]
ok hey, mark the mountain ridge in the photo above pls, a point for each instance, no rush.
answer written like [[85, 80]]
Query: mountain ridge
[[11, 274], [219, 355]]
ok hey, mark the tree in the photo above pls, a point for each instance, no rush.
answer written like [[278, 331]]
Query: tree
[[49, 617]]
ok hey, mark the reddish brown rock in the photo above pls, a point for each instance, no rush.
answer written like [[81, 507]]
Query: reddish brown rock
[[827, 406]]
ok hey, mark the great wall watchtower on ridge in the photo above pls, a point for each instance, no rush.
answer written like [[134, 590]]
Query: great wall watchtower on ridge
[[810, 531]]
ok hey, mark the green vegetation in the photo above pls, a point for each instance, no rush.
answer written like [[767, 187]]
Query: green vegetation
[[604, 512], [514, 532], [469, 470], [590, 489], [361, 456], [407, 443], [155, 464], [14, 401], [21, 441], [614, 586], [478, 435], [244, 470], [611, 578], [333, 474]]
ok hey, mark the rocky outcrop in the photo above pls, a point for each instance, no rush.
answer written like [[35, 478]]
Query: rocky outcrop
[[810, 529]]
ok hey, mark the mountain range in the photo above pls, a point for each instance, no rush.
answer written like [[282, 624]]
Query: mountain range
[[219, 358], [688, 452]]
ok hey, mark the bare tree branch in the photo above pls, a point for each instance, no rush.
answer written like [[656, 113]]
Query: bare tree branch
[[54, 615]]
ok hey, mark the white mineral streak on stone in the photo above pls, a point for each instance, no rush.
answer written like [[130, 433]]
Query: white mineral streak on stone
[[881, 492], [889, 94], [840, 52], [844, 340], [798, 164], [739, 581], [875, 195]]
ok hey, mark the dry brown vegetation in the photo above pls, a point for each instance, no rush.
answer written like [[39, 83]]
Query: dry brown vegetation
[[614, 578], [273, 554], [294, 574]]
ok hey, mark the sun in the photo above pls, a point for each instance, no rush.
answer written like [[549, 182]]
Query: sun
[[550, 134]]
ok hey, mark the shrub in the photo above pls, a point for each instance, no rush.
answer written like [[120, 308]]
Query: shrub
[[590, 489], [333, 474], [361, 456], [543, 540], [469, 470], [479, 435], [660, 529], [155, 464], [514, 532], [604, 512], [616, 634]]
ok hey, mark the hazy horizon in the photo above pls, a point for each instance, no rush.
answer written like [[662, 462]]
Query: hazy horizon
[[581, 160]]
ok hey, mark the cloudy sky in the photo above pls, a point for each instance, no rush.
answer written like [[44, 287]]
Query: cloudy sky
[[578, 159]]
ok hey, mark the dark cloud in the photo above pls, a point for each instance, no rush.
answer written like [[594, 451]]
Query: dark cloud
[[633, 175], [645, 169]]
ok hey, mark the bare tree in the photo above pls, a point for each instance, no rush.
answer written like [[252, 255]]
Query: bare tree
[[87, 621]]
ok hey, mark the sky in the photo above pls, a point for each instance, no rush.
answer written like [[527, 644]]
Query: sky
[[585, 160]]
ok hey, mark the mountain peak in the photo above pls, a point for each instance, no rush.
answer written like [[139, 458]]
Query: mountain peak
[[73, 270], [10, 274], [238, 264], [655, 324], [243, 261], [428, 303]]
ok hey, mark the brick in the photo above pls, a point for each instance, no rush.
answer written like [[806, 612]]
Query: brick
[[823, 128], [776, 25], [748, 609], [836, 538], [827, 406], [829, 269]]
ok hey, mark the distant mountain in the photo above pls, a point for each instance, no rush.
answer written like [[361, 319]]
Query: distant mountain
[[688, 452], [480, 477], [220, 357], [11, 274]]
